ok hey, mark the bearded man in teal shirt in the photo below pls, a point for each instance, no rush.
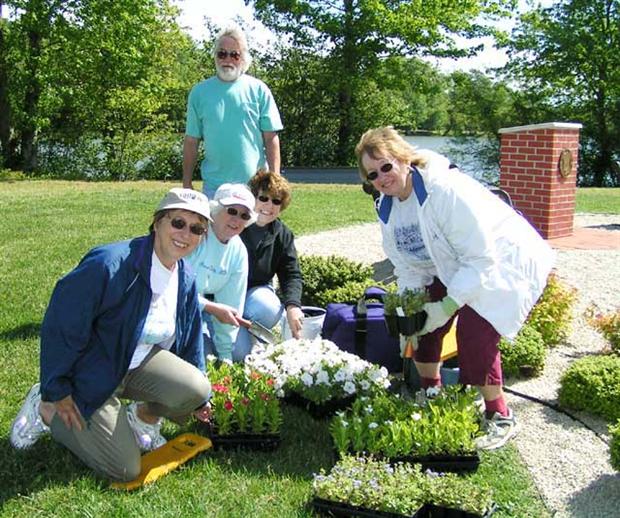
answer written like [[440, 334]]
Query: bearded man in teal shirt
[[236, 117]]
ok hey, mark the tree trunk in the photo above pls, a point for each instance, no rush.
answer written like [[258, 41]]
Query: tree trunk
[[31, 102], [345, 94]]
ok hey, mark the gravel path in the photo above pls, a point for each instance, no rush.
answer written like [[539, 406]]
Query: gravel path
[[568, 462]]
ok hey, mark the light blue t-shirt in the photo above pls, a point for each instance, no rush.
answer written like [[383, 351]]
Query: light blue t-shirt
[[221, 275], [230, 117]]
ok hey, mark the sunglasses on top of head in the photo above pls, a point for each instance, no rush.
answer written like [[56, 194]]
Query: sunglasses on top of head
[[265, 199], [385, 168], [223, 54], [195, 228], [245, 216]]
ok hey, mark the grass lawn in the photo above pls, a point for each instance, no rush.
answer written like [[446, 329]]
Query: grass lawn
[[47, 227]]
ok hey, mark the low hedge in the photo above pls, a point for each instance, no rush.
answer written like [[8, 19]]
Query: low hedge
[[614, 446], [526, 356], [593, 384]]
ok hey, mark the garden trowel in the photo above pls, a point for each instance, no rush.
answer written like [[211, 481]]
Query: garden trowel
[[259, 331]]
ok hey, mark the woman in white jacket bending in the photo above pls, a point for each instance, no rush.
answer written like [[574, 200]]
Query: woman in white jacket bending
[[474, 255]]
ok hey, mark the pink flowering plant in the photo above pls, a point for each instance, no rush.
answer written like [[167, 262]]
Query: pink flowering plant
[[317, 370], [400, 488], [243, 400], [391, 426]]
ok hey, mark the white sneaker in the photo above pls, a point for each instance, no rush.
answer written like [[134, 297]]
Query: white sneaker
[[28, 426], [497, 431], [149, 436]]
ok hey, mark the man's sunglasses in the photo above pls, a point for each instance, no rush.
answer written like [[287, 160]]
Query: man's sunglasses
[[223, 54], [385, 168], [234, 212], [265, 199], [195, 228]]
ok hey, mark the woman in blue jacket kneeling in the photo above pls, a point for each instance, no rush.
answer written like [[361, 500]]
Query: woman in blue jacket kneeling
[[125, 323]]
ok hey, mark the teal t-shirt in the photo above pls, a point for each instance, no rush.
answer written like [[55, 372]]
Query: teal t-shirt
[[230, 117]]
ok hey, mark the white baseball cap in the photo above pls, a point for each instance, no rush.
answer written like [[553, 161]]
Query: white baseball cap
[[235, 194], [186, 199]]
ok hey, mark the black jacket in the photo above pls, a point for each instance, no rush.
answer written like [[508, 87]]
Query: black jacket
[[275, 254]]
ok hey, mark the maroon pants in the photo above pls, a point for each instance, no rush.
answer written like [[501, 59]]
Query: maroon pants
[[477, 340]]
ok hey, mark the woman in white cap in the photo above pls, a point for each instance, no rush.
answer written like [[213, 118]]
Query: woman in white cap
[[125, 323], [221, 266]]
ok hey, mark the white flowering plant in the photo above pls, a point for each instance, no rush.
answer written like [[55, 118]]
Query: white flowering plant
[[317, 370], [388, 425], [370, 483]]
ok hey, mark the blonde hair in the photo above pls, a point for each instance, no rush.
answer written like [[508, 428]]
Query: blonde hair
[[273, 184], [379, 142], [235, 32]]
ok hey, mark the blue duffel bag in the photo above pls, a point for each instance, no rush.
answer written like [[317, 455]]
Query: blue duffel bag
[[360, 329]]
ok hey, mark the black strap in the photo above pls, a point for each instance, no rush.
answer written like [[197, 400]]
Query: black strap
[[361, 328]]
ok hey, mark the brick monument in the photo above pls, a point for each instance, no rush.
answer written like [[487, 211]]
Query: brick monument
[[538, 169]]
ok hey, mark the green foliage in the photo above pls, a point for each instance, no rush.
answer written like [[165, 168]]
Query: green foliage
[[390, 426], [391, 301], [412, 302], [614, 445], [526, 356], [609, 326], [552, 315], [328, 273], [568, 54], [593, 384]]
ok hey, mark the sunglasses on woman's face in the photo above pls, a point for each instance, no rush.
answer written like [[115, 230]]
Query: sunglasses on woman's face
[[265, 199], [223, 54], [195, 228], [385, 168], [245, 216]]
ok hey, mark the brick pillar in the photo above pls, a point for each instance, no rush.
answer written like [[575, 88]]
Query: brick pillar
[[538, 168]]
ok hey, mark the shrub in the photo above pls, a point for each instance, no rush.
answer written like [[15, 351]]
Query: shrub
[[593, 384], [552, 314], [327, 273], [349, 293], [614, 446], [526, 356], [608, 325]]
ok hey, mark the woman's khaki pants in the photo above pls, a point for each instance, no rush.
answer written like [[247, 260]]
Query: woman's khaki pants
[[171, 388]]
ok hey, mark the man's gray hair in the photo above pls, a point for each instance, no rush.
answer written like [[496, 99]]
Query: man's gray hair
[[236, 33]]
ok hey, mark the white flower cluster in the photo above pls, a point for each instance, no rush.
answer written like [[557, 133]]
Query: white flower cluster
[[318, 365]]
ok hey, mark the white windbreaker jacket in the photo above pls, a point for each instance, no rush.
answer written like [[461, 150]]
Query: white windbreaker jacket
[[487, 255]]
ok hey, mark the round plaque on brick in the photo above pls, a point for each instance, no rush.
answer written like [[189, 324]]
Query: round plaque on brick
[[565, 163]]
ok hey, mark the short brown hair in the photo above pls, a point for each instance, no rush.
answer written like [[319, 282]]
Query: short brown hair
[[385, 141], [272, 184]]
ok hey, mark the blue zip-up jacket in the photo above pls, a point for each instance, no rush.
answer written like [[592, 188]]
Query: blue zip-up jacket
[[95, 317]]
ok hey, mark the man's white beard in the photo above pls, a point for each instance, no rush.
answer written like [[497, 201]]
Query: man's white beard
[[227, 74]]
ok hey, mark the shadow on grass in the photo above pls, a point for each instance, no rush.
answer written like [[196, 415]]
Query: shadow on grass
[[22, 332], [45, 465]]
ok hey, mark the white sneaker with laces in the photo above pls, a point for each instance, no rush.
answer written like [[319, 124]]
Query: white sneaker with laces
[[28, 426], [149, 436], [497, 431]]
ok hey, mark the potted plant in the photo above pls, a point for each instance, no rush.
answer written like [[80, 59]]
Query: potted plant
[[391, 301], [413, 318], [317, 374], [440, 435], [367, 486], [245, 410]]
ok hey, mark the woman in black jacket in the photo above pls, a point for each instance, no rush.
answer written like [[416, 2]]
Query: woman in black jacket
[[271, 252]]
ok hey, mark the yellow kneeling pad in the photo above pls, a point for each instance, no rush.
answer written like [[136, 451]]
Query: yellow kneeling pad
[[171, 455]]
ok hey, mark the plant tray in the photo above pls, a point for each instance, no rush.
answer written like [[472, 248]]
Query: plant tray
[[340, 509], [243, 440], [443, 463], [319, 410]]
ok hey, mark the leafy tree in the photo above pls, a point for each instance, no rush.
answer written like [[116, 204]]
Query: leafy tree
[[568, 53], [358, 34]]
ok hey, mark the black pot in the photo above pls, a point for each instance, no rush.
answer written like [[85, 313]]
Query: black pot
[[412, 324], [391, 322]]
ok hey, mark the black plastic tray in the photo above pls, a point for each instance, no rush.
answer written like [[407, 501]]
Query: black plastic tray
[[340, 509], [319, 410]]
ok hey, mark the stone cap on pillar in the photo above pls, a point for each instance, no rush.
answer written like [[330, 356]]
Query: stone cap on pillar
[[544, 125]]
